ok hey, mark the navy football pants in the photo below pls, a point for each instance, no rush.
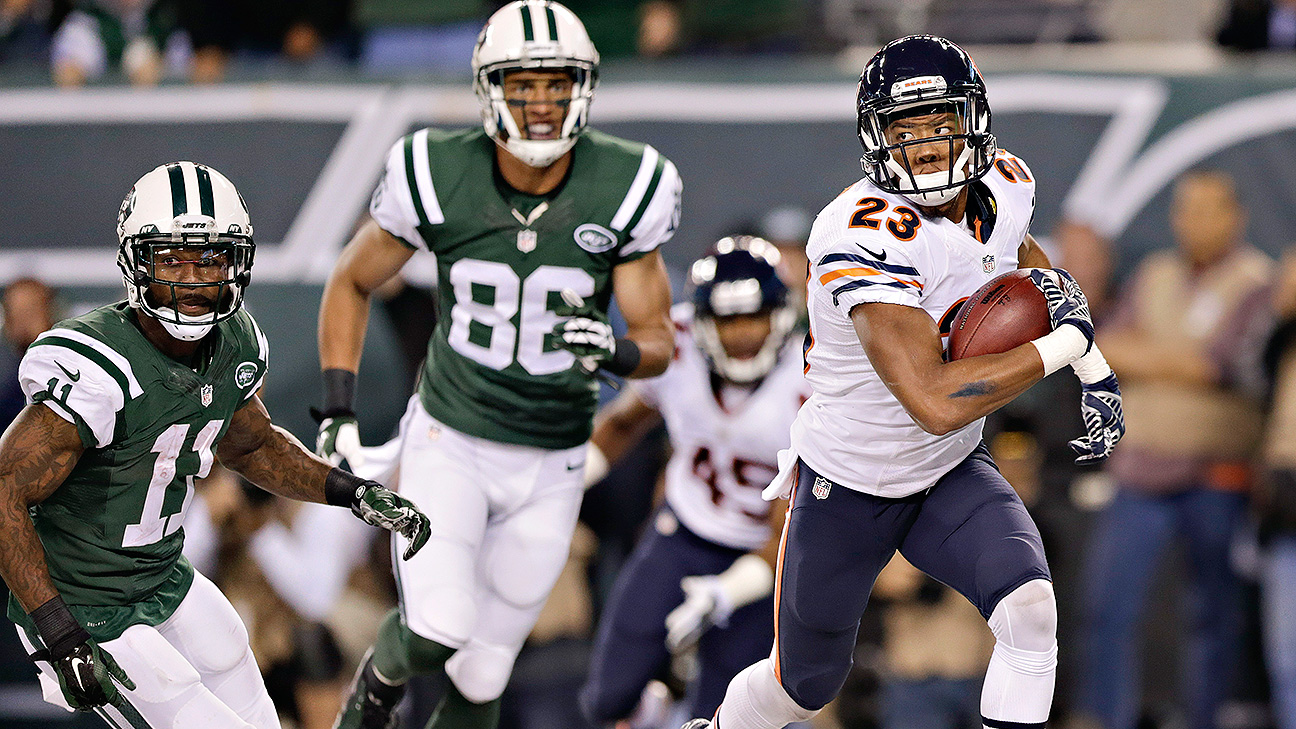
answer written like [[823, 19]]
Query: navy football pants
[[970, 531]]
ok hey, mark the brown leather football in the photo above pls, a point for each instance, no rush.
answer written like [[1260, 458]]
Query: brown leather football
[[1007, 312]]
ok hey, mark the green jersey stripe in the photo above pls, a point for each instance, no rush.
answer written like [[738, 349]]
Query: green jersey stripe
[[528, 30], [553, 23], [179, 197], [430, 207], [413, 183], [648, 195], [635, 195], [206, 200], [90, 354]]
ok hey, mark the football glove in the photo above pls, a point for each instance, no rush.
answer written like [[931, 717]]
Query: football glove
[[339, 438], [381, 507], [1066, 302], [1100, 406], [704, 605], [85, 671], [584, 331]]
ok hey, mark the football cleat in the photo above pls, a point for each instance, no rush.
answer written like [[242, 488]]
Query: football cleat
[[365, 710], [698, 724]]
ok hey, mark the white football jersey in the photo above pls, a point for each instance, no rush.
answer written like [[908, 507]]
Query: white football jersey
[[723, 454], [873, 246]]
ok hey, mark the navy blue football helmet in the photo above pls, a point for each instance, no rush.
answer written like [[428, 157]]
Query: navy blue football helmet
[[740, 276], [919, 75]]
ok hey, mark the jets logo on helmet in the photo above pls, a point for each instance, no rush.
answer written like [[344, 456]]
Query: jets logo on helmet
[[740, 277], [534, 35], [185, 215], [915, 76]]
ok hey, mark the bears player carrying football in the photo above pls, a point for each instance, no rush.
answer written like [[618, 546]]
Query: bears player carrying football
[[702, 574], [887, 452], [536, 223], [127, 405]]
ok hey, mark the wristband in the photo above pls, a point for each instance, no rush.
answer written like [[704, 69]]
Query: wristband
[[625, 358], [339, 392], [59, 631], [1060, 347], [343, 488], [1092, 367]]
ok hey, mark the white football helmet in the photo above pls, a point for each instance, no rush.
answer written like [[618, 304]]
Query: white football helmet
[[533, 34], [190, 205]]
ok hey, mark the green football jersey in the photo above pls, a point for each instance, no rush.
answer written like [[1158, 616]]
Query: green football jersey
[[112, 531], [503, 258]]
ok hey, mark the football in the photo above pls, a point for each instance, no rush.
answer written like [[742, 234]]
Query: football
[[1007, 312]]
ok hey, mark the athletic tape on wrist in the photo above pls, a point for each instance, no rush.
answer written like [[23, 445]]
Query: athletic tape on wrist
[[1092, 367], [1060, 347]]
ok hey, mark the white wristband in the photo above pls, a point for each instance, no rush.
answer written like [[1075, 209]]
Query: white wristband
[[596, 464], [1060, 347], [747, 580], [1092, 367]]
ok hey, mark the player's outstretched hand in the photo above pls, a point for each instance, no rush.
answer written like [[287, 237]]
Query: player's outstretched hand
[[584, 331], [381, 507], [705, 605], [339, 438], [1100, 406], [1066, 302], [86, 672]]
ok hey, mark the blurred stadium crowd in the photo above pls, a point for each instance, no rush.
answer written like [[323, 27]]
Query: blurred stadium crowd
[[1175, 566]]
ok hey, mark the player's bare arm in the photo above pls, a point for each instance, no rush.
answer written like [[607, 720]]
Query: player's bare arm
[[270, 457], [1031, 255], [623, 423], [368, 261], [644, 298], [903, 344], [37, 452]]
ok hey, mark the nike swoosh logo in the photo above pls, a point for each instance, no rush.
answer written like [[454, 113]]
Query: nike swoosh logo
[[880, 256], [574, 466], [74, 376]]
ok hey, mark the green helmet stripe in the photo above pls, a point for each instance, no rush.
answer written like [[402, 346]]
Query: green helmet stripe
[[206, 201], [528, 30], [179, 197], [553, 22]]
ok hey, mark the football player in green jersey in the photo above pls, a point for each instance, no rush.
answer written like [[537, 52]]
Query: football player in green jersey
[[536, 223], [127, 405]]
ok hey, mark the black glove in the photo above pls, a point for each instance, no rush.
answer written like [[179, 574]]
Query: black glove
[[379, 506], [85, 670]]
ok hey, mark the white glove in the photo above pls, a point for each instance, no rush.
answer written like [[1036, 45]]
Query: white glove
[[711, 599], [339, 438]]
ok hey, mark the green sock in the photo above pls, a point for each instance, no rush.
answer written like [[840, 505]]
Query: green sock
[[399, 654], [457, 712]]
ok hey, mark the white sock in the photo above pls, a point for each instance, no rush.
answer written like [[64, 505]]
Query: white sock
[[1019, 681], [756, 700]]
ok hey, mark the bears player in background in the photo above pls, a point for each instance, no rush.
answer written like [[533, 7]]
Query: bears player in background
[[703, 572], [536, 223], [128, 404], [887, 452]]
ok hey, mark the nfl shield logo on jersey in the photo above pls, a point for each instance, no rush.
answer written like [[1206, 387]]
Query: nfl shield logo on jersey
[[821, 487], [988, 263], [526, 240], [206, 395]]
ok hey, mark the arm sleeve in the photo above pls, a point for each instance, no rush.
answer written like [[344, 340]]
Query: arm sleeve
[[878, 271], [76, 387], [660, 217], [392, 204]]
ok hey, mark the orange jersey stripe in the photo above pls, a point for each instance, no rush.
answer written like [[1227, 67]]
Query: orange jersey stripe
[[834, 275], [778, 573]]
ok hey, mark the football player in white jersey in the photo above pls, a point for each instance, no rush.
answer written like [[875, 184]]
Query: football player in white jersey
[[886, 455], [702, 574]]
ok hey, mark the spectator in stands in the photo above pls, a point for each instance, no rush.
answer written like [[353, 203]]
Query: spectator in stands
[[1175, 341], [1276, 502], [138, 36], [1258, 24], [299, 30], [29, 309]]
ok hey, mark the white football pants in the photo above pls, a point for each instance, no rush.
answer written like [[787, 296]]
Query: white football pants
[[194, 671], [502, 520]]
